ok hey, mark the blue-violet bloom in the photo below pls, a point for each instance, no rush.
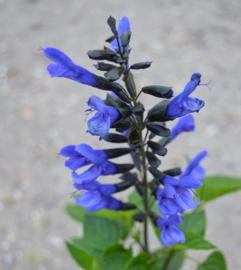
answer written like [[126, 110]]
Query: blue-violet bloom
[[77, 160], [170, 234], [65, 67], [176, 196], [182, 104], [100, 165], [95, 200], [100, 123], [195, 170], [124, 25], [184, 124]]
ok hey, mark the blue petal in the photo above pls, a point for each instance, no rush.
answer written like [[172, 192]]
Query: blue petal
[[94, 185], [174, 220], [112, 203], [99, 105], [182, 104], [169, 180], [69, 151], [76, 163], [108, 168], [57, 56], [124, 25], [190, 87], [99, 125], [108, 189], [102, 154], [184, 199], [186, 123], [89, 153], [65, 67], [168, 206], [167, 192], [172, 235], [198, 173], [194, 163], [90, 175], [91, 200], [189, 105], [189, 182]]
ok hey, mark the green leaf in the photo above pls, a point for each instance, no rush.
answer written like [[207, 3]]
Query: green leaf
[[156, 173], [115, 138], [152, 159], [142, 262], [125, 217], [134, 137], [194, 241], [125, 38], [83, 259], [216, 186], [110, 39], [136, 160], [112, 23], [99, 233], [103, 66], [76, 212], [157, 113], [114, 73], [89, 247], [158, 130], [215, 261], [158, 91], [173, 172], [117, 152], [157, 148], [194, 222], [116, 257], [176, 260], [101, 54], [141, 65], [124, 167], [101, 230]]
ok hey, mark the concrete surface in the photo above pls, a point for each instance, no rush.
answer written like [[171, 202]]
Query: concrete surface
[[40, 115]]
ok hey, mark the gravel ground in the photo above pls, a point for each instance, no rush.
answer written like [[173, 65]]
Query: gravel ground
[[39, 115]]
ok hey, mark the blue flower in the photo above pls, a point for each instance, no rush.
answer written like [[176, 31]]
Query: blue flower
[[65, 67], [98, 198], [76, 159], [100, 123], [176, 196], [100, 166], [106, 189], [170, 234], [182, 104], [166, 202], [124, 25], [195, 170], [186, 123]]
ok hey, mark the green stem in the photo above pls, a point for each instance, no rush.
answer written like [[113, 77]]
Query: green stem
[[171, 253], [145, 185], [144, 167]]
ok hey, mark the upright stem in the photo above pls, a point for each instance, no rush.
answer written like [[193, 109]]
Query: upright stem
[[143, 157], [168, 259], [145, 185]]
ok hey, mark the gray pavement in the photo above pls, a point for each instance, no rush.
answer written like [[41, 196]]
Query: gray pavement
[[39, 115]]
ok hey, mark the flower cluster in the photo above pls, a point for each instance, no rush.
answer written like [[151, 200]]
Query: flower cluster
[[121, 111], [176, 197]]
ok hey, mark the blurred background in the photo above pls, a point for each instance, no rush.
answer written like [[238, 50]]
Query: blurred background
[[40, 115]]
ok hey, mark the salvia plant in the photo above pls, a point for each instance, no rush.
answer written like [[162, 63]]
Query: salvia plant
[[113, 229]]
